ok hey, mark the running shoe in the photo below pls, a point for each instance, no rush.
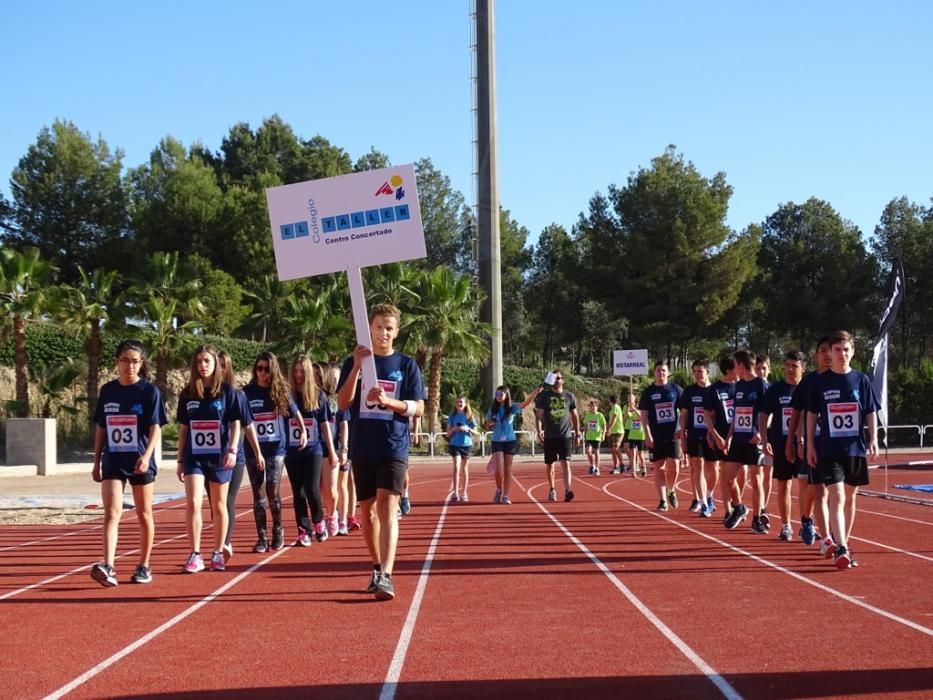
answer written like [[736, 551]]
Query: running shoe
[[228, 551], [104, 574], [404, 505], [591, 470], [304, 537], [765, 520], [384, 588], [320, 532], [705, 512], [841, 558], [695, 506], [672, 499], [807, 533], [552, 495], [217, 562], [615, 470], [711, 504], [739, 513], [568, 496], [506, 501], [374, 581], [354, 522], [464, 498], [333, 524], [497, 496], [343, 530], [852, 561], [278, 537], [455, 497], [142, 574], [786, 534], [595, 471], [194, 564], [662, 506], [827, 547], [261, 546], [757, 527]]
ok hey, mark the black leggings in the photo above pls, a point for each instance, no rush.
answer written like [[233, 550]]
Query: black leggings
[[304, 473], [235, 483], [270, 476]]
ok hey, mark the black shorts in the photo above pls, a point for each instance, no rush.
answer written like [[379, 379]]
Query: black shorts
[[714, 454], [147, 477], [509, 447], [370, 476], [556, 450], [698, 447], [455, 451], [851, 470], [784, 470], [665, 449], [594, 444], [635, 444], [744, 453]]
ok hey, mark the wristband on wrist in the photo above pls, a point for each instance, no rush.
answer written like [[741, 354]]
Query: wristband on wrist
[[410, 408]]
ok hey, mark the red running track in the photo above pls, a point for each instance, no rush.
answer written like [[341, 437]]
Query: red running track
[[601, 596]]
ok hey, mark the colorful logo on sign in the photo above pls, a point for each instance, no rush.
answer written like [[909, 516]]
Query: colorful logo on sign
[[392, 187]]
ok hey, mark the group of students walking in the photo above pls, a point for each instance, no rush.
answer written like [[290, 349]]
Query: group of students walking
[[297, 423]]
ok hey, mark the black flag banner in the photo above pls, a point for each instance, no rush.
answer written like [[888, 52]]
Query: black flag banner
[[879, 359]]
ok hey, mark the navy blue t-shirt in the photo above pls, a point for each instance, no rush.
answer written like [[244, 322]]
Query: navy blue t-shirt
[[270, 426], [720, 399], [749, 400], [376, 434], [779, 400], [693, 400], [660, 402], [126, 413], [315, 419], [208, 422], [246, 418], [842, 402]]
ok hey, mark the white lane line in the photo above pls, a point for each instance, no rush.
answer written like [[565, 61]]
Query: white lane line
[[145, 639], [85, 567], [826, 589], [721, 683], [390, 685]]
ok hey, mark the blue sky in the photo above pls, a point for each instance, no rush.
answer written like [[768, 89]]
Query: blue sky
[[790, 99]]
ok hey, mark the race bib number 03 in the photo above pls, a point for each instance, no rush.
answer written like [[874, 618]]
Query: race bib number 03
[[205, 437], [744, 417], [295, 428], [699, 418], [121, 434], [727, 407], [267, 427], [843, 419], [664, 412], [786, 413], [373, 412]]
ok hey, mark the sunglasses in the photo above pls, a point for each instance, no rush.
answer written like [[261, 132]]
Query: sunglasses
[[262, 368]]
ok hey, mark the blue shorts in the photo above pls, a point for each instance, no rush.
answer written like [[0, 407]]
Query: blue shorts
[[209, 471], [509, 447]]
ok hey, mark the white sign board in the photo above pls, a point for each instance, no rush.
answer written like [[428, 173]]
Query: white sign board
[[338, 223], [626, 363]]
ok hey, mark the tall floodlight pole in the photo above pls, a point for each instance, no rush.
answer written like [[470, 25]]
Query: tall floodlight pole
[[487, 211]]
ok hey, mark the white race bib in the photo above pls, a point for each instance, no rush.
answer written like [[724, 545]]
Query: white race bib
[[786, 413], [744, 417], [592, 426], [205, 437], [295, 428], [267, 427], [727, 407], [699, 418], [843, 419], [664, 412], [373, 412], [121, 433]]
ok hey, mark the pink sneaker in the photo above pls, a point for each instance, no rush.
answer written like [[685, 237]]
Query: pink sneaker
[[332, 525], [354, 522], [194, 564], [320, 532], [217, 562]]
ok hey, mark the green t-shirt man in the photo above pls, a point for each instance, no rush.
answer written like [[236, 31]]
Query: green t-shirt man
[[617, 427], [595, 425]]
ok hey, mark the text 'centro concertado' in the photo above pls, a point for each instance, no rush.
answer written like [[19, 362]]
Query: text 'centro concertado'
[[357, 236]]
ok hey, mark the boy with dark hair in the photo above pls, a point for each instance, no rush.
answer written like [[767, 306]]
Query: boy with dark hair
[[844, 403], [718, 409], [657, 408], [693, 431]]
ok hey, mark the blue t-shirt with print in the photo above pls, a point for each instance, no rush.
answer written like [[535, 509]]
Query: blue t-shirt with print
[[692, 401], [842, 402], [749, 400], [503, 422], [460, 438], [315, 420], [246, 418], [271, 427], [376, 434], [126, 414], [660, 403], [779, 404], [208, 421], [719, 399]]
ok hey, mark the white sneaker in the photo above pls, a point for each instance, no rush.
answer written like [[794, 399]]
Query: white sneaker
[[552, 495], [827, 547]]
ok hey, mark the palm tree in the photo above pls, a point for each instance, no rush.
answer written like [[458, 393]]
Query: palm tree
[[445, 324], [25, 279], [265, 302], [314, 324], [164, 335], [393, 283], [85, 308]]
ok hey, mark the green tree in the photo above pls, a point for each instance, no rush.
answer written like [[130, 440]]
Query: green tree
[[25, 280], [811, 256], [266, 317], [441, 210], [219, 293], [68, 201], [658, 250], [84, 309], [445, 323], [552, 297], [316, 322], [373, 160]]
